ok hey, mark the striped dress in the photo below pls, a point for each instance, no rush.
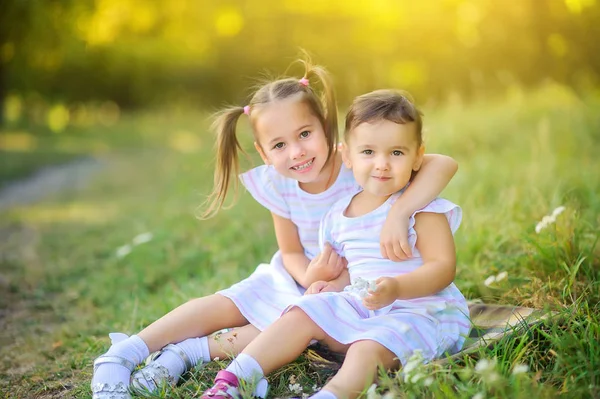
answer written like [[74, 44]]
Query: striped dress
[[262, 297], [435, 324]]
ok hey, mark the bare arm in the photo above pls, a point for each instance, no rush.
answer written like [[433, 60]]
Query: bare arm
[[292, 252], [326, 266], [436, 245], [434, 175]]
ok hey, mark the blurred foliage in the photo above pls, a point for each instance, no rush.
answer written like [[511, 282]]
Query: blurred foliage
[[132, 53]]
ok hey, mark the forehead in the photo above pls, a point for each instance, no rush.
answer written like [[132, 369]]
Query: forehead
[[384, 133], [283, 117]]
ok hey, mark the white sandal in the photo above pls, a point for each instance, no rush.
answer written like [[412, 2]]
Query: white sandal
[[156, 374], [111, 391]]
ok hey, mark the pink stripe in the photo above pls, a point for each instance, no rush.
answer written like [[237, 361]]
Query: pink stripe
[[259, 195]]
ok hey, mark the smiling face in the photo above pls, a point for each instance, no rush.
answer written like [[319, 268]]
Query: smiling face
[[383, 155], [292, 139]]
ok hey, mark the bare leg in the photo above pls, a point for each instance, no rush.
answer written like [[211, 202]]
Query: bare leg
[[229, 344], [286, 339], [196, 318], [360, 368]]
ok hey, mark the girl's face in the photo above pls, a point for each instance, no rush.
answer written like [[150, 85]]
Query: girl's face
[[382, 156], [291, 139]]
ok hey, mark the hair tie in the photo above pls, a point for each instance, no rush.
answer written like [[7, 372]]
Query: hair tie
[[247, 110], [303, 82]]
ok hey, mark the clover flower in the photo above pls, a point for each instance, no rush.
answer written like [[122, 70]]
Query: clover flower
[[520, 369], [495, 279]]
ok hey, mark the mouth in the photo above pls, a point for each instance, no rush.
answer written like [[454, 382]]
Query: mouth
[[303, 166], [381, 178]]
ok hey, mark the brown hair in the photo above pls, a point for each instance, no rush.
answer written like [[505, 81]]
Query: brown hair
[[391, 105], [321, 103]]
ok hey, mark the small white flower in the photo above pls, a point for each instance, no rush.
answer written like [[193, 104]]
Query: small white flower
[[372, 285], [216, 359], [372, 392], [489, 281], [123, 251], [428, 381], [142, 238], [315, 388], [520, 369], [305, 396], [485, 365], [501, 276], [478, 395], [558, 211], [295, 388], [416, 377]]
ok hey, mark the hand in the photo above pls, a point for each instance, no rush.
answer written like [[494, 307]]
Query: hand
[[320, 286], [394, 238], [386, 292], [328, 265]]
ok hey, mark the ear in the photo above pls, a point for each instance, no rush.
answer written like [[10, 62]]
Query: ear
[[345, 156], [419, 160], [262, 153]]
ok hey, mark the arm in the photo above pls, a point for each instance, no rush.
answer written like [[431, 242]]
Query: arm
[[327, 265], [434, 175], [336, 285], [436, 245]]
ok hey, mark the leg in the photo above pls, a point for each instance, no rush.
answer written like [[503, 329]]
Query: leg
[[196, 318], [284, 340], [360, 368], [229, 344]]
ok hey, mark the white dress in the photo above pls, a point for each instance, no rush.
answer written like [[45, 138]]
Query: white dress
[[262, 297], [434, 324]]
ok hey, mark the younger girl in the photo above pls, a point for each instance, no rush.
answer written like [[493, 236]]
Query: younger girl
[[295, 131], [412, 306]]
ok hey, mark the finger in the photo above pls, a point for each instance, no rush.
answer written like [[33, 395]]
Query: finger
[[326, 253], [406, 248], [344, 262], [398, 251], [392, 253], [339, 266], [333, 257], [383, 251]]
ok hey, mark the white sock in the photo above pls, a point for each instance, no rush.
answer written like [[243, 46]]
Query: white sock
[[245, 367], [323, 394], [133, 349], [196, 350]]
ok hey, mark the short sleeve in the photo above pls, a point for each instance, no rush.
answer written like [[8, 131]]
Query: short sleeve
[[267, 187], [452, 212]]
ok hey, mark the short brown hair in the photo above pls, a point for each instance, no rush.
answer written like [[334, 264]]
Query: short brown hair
[[387, 104]]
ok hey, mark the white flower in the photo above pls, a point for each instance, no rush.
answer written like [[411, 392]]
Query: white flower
[[295, 388], [428, 381], [489, 281], [305, 396], [495, 279], [549, 219], [478, 395], [372, 392], [558, 211], [123, 251], [520, 369], [485, 365], [216, 359], [142, 238], [315, 388]]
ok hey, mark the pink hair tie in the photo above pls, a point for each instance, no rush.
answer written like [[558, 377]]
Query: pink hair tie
[[303, 82], [247, 110]]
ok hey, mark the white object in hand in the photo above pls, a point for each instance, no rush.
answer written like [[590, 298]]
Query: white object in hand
[[361, 287]]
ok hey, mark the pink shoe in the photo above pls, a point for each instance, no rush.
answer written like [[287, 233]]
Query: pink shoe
[[226, 387]]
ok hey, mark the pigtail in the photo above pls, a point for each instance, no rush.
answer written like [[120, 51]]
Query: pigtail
[[227, 164], [328, 101]]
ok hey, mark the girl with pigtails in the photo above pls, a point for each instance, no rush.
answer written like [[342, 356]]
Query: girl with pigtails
[[295, 129]]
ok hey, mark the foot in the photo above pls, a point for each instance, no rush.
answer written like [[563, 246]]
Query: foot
[[111, 391], [154, 374], [226, 387]]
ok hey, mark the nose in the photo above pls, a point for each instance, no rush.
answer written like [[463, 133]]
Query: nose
[[297, 151], [382, 163]]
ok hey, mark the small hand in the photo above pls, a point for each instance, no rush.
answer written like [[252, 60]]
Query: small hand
[[386, 292], [328, 265], [320, 286], [394, 238]]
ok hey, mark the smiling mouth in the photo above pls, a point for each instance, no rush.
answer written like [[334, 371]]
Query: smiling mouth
[[304, 165]]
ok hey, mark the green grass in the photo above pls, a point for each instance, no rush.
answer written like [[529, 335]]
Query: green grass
[[520, 157]]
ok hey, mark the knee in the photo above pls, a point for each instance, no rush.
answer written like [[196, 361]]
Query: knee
[[298, 317], [376, 352]]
